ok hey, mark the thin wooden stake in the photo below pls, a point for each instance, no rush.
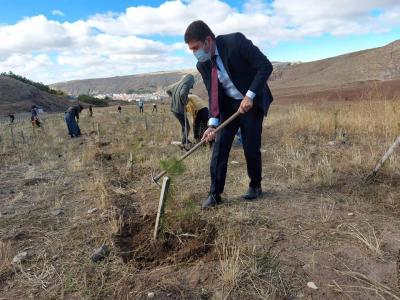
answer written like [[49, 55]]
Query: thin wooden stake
[[129, 165], [12, 134], [161, 204], [98, 133], [383, 159], [145, 123], [22, 137]]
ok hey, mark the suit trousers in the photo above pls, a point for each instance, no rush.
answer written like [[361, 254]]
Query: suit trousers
[[250, 125]]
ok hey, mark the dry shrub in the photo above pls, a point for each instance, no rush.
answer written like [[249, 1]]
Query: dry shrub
[[367, 237], [230, 266]]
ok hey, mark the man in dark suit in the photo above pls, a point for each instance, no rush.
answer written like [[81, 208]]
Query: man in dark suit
[[235, 73]]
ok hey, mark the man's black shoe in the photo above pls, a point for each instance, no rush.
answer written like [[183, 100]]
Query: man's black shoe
[[253, 193], [212, 200]]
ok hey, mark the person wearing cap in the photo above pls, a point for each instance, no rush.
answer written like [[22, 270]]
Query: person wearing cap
[[71, 117]]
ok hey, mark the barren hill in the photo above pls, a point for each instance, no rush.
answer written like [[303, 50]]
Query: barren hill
[[16, 96], [346, 76], [140, 83], [342, 76], [373, 64]]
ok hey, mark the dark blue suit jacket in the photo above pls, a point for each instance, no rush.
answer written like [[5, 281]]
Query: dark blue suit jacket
[[246, 65]]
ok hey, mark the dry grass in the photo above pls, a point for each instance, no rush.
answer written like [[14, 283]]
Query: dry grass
[[263, 248], [115, 220], [230, 265], [367, 237], [6, 256], [326, 210], [366, 284], [98, 190]]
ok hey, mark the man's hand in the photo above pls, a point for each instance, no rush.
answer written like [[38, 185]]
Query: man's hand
[[209, 135], [245, 105]]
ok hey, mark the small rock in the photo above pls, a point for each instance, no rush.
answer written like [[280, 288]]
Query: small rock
[[350, 214], [20, 257], [332, 143], [100, 253], [150, 295], [176, 143], [58, 212], [263, 150], [234, 162], [312, 285], [92, 210]]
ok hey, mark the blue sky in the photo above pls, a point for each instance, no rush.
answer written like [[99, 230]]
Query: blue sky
[[62, 40]]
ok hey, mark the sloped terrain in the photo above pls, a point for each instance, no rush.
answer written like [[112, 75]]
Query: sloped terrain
[[16, 96], [140, 83]]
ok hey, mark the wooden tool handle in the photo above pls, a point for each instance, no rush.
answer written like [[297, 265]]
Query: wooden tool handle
[[198, 145]]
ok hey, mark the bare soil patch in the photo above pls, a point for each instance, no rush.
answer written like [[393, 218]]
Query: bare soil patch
[[188, 241]]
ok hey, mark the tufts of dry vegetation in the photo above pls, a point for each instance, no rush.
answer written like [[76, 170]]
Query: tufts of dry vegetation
[[61, 199]]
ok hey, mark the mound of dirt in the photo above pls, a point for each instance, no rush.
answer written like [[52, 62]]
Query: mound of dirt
[[187, 241]]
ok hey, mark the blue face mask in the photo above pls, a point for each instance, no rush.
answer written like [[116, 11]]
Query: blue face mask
[[202, 55]]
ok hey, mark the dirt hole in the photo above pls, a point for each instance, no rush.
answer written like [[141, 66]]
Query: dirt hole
[[187, 241]]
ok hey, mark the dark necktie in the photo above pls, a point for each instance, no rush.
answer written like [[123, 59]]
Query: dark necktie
[[214, 88]]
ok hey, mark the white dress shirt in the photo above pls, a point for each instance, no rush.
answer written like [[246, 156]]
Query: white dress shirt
[[229, 88]]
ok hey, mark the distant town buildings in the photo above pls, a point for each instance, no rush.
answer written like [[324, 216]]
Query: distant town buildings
[[156, 96]]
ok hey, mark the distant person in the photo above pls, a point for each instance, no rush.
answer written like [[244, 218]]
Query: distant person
[[90, 111], [12, 118], [154, 107], [71, 117], [35, 116], [179, 93], [119, 109], [141, 106]]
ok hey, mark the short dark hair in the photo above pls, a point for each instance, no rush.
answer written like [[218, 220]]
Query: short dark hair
[[198, 31]]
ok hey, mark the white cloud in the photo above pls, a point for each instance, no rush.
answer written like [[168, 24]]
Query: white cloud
[[35, 67], [57, 12], [39, 34], [132, 41]]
